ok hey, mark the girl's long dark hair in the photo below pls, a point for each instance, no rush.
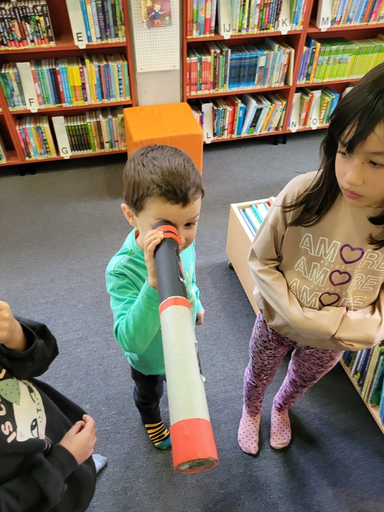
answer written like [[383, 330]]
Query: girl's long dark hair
[[355, 118]]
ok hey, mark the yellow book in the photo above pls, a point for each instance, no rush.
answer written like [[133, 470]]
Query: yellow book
[[91, 80], [90, 20], [77, 83], [47, 131]]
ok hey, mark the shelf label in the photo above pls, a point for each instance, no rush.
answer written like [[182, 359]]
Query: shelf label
[[24, 69], [224, 16], [285, 15], [61, 136], [324, 14], [77, 23]]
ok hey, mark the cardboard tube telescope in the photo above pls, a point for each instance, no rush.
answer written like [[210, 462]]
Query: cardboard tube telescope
[[193, 444]]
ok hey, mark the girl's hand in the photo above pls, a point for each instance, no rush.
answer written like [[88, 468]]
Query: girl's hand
[[151, 241], [81, 439], [200, 317], [11, 333]]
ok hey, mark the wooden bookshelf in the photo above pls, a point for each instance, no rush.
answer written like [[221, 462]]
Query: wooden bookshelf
[[295, 38], [64, 46], [239, 241], [374, 410]]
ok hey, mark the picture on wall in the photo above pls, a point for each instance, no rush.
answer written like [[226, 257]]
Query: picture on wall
[[156, 14]]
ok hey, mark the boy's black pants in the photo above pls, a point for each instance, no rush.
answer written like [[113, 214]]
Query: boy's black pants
[[147, 393]]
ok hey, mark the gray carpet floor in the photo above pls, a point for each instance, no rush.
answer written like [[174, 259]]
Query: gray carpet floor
[[58, 230]]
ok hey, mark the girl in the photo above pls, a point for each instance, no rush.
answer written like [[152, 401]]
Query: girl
[[318, 264]]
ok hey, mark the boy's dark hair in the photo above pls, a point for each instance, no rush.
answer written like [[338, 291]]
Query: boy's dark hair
[[353, 120], [161, 171]]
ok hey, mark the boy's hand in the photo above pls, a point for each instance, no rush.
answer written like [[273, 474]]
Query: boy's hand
[[11, 333], [81, 439], [200, 317], [151, 241]]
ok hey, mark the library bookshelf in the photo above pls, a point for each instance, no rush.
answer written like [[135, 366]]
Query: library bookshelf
[[374, 410], [296, 39], [64, 47], [239, 240]]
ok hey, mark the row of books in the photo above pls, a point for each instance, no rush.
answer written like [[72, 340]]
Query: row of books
[[35, 137], [337, 58], [68, 81], [366, 367], [235, 17], [255, 213], [219, 67], [96, 131], [201, 17], [25, 24], [103, 19], [240, 116], [312, 108], [3, 158], [335, 13]]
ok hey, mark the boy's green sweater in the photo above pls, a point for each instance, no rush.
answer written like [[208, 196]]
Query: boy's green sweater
[[135, 305]]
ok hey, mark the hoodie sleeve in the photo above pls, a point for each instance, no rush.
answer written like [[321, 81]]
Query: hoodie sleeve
[[41, 483], [273, 296], [363, 328], [40, 352]]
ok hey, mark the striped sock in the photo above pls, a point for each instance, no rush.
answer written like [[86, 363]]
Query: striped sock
[[159, 435]]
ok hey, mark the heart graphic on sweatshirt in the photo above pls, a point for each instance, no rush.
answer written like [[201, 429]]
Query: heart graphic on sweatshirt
[[329, 299], [338, 278], [351, 254]]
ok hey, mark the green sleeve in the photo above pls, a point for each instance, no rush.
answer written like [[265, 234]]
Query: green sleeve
[[135, 311]]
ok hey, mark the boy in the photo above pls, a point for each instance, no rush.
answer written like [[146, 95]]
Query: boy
[[160, 183], [46, 441]]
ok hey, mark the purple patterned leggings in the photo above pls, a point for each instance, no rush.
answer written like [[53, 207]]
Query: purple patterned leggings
[[267, 349]]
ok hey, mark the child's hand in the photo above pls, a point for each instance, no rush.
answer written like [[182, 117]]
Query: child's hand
[[200, 317], [11, 332], [81, 439], [151, 241]]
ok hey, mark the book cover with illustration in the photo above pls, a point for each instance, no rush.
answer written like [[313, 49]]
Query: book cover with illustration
[[156, 14]]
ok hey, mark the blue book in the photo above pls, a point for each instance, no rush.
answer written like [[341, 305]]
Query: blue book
[[381, 405], [241, 115], [248, 221], [65, 82], [257, 213], [86, 21]]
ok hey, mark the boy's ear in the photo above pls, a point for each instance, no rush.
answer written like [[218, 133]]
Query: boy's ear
[[129, 215]]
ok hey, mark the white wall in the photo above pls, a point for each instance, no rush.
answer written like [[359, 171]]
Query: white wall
[[157, 57]]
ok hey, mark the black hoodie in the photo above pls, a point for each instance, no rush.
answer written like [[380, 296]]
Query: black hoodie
[[36, 473]]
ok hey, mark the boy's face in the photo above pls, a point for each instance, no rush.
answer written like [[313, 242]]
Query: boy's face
[[155, 210]]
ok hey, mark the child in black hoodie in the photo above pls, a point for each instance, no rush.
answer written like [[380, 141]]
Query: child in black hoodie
[[46, 441]]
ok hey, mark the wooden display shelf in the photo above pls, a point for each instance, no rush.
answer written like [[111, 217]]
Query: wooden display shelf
[[374, 410], [313, 30], [74, 155], [328, 82], [62, 43], [268, 134], [232, 92], [295, 38], [64, 47], [218, 37], [308, 129], [12, 159], [239, 240], [68, 109]]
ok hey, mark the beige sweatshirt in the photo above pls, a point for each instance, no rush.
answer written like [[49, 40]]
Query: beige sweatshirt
[[320, 285]]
